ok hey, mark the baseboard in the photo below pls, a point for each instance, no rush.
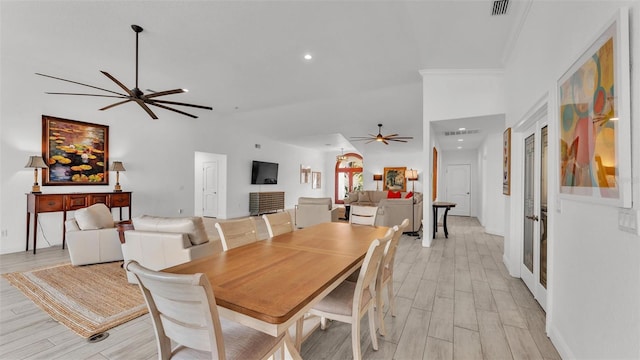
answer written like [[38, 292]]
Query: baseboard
[[426, 240], [497, 232], [561, 345]]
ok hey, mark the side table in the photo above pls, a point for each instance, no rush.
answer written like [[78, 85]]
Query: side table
[[437, 205]]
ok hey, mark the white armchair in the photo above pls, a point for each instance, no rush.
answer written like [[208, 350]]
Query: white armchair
[[311, 211], [92, 236], [158, 243]]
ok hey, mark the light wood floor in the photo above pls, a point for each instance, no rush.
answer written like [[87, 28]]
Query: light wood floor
[[454, 300]]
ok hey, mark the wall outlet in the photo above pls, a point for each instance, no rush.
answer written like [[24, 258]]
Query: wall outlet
[[179, 211], [5, 233], [628, 220]]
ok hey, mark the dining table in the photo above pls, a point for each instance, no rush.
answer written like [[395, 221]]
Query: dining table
[[270, 284]]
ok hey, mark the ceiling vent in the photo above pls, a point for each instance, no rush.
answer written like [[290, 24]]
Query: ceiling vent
[[460, 132], [500, 7]]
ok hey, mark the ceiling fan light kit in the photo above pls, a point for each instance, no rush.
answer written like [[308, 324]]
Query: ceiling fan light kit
[[382, 138], [136, 95]]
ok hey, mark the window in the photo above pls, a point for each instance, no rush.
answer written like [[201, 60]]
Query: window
[[348, 176]]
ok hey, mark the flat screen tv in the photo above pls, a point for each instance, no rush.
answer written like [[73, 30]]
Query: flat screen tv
[[264, 173]]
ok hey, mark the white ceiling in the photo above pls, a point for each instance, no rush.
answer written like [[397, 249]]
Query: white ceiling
[[244, 58]]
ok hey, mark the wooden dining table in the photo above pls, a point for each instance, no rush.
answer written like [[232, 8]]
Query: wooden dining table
[[269, 285]]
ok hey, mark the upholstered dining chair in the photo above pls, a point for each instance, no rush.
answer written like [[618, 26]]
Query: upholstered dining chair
[[386, 275], [278, 223], [363, 215], [183, 310], [350, 301], [235, 233]]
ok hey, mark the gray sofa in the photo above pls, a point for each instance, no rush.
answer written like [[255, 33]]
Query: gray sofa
[[390, 211]]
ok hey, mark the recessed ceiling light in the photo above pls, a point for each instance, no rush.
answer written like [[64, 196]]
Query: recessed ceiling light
[[462, 129], [460, 139], [308, 56], [459, 147]]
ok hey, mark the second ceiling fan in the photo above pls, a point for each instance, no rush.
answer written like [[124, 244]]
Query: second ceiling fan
[[136, 95], [382, 138]]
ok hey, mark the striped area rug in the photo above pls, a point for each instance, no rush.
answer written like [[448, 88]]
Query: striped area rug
[[87, 299]]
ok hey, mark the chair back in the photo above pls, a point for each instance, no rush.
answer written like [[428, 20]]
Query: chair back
[[235, 233], [392, 246], [363, 215], [182, 308], [370, 269], [278, 223]]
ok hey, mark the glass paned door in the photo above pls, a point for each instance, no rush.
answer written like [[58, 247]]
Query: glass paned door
[[529, 202], [543, 206]]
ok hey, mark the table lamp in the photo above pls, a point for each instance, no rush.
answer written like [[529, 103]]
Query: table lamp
[[36, 163], [117, 167], [377, 178], [412, 175]]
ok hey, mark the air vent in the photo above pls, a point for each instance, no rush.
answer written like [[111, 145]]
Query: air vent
[[500, 7], [460, 132]]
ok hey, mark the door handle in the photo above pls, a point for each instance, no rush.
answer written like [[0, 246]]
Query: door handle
[[532, 217]]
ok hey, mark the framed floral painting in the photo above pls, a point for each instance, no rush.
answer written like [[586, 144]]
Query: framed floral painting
[[77, 152]]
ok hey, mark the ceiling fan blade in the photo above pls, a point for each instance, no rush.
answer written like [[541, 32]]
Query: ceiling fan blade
[[109, 96], [372, 140], [385, 142], [146, 108], [361, 137], [116, 104], [390, 136], [182, 104], [401, 137], [404, 141], [166, 92], [118, 82], [79, 83], [172, 109]]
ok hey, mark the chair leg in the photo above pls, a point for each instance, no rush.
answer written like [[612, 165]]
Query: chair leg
[[380, 311], [372, 329], [392, 298], [323, 323], [355, 339]]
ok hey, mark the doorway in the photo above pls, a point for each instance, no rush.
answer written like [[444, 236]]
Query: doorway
[[458, 189], [210, 185], [535, 184]]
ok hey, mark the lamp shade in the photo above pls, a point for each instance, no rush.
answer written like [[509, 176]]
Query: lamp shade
[[377, 177], [36, 162], [117, 166], [411, 175]]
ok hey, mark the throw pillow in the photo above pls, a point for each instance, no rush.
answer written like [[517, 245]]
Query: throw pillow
[[394, 195], [363, 197], [409, 195], [192, 226], [94, 217]]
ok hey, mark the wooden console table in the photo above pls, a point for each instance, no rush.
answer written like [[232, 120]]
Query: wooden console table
[[44, 203]]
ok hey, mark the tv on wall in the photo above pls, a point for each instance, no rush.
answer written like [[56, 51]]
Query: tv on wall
[[264, 173]]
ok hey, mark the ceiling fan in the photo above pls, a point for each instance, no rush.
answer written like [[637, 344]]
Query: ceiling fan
[[382, 138], [135, 94]]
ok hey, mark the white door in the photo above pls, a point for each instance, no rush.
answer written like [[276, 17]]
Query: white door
[[534, 248], [210, 189], [459, 189]]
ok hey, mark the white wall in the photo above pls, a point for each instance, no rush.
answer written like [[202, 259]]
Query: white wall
[[594, 269], [491, 214]]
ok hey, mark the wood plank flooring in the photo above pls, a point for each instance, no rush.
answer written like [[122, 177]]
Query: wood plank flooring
[[454, 300]]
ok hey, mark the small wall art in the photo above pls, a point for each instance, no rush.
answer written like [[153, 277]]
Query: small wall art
[[506, 162], [394, 179], [316, 180]]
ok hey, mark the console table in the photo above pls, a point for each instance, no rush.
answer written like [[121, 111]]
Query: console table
[[44, 203], [447, 206]]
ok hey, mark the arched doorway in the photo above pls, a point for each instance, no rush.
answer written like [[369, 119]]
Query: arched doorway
[[348, 175]]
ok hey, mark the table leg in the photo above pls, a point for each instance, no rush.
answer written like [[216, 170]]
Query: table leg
[[28, 223], [291, 348], [64, 228], [299, 327], [446, 232], [35, 231], [435, 221]]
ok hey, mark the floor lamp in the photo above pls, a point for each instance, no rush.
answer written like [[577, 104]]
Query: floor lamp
[[412, 175], [377, 178]]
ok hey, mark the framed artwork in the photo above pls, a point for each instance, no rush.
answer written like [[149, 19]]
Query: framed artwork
[[394, 179], [305, 174], [316, 180], [434, 181], [77, 152], [506, 162], [594, 120]]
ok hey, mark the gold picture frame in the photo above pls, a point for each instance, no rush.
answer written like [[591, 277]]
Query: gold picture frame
[[394, 179]]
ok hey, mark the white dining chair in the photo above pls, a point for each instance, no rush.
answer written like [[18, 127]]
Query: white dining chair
[[349, 301], [386, 275], [183, 311], [278, 223], [363, 215], [235, 233]]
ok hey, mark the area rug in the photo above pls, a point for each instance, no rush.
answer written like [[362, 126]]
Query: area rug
[[87, 299]]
